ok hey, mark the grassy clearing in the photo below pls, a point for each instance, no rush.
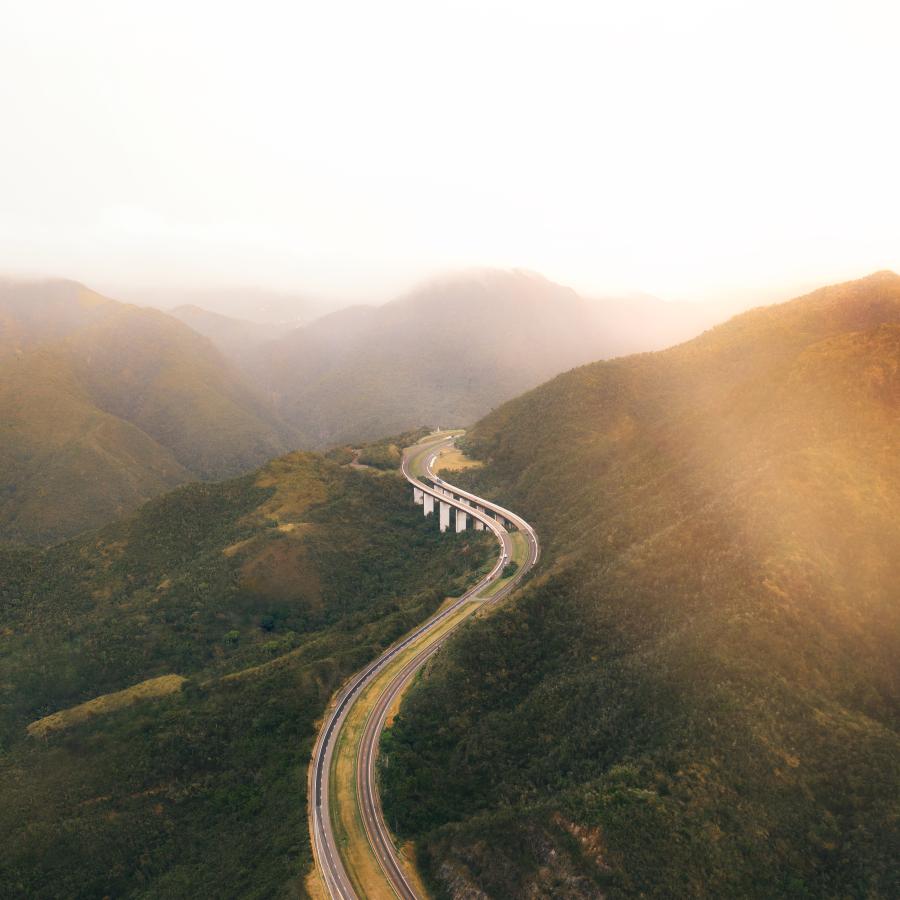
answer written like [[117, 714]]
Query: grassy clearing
[[315, 889], [454, 460], [520, 548], [294, 492], [151, 689], [519, 556]]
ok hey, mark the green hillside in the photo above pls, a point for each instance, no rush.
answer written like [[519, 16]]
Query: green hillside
[[65, 463], [103, 405], [698, 694], [265, 592]]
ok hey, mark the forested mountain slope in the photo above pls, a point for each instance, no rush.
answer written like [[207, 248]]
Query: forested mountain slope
[[451, 350], [35, 312], [699, 695], [265, 593], [103, 405], [237, 339]]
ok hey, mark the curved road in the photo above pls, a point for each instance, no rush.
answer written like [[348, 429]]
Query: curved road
[[325, 849]]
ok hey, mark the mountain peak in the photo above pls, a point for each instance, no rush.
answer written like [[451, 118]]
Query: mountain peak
[[882, 275]]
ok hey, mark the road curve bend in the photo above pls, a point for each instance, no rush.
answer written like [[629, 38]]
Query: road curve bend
[[325, 849]]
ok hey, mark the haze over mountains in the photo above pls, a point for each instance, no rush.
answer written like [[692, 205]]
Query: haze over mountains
[[238, 339], [104, 405], [698, 696], [258, 305], [443, 354], [451, 350]]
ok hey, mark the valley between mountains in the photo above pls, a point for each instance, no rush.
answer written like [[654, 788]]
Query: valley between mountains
[[694, 695]]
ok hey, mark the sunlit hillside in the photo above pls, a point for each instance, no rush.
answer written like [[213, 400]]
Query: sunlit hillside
[[103, 405], [35, 312], [699, 695]]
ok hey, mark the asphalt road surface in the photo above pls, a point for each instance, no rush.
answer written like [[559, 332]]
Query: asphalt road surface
[[325, 849]]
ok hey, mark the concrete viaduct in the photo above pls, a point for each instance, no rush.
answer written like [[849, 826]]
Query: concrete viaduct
[[454, 508]]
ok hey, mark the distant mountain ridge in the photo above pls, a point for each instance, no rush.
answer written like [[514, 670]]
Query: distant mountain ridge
[[449, 351], [103, 405], [444, 354], [260, 306], [235, 338], [35, 312]]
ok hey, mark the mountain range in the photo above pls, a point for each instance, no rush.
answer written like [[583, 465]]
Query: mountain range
[[451, 350], [106, 404], [259, 306], [694, 695]]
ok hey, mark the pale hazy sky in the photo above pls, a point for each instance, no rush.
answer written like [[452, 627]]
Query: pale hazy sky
[[690, 149]]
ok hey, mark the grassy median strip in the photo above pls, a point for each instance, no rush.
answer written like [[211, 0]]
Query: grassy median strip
[[453, 460], [350, 833], [352, 840], [519, 557]]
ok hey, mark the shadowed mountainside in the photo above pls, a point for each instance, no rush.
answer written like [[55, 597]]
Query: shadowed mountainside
[[237, 339], [698, 697], [103, 405]]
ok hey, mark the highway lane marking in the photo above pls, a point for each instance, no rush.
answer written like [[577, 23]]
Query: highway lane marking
[[386, 851]]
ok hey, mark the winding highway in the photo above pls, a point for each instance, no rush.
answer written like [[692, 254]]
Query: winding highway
[[422, 643]]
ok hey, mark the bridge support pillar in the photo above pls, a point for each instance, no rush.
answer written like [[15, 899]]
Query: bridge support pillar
[[418, 496], [444, 515], [427, 503], [462, 520], [479, 525]]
